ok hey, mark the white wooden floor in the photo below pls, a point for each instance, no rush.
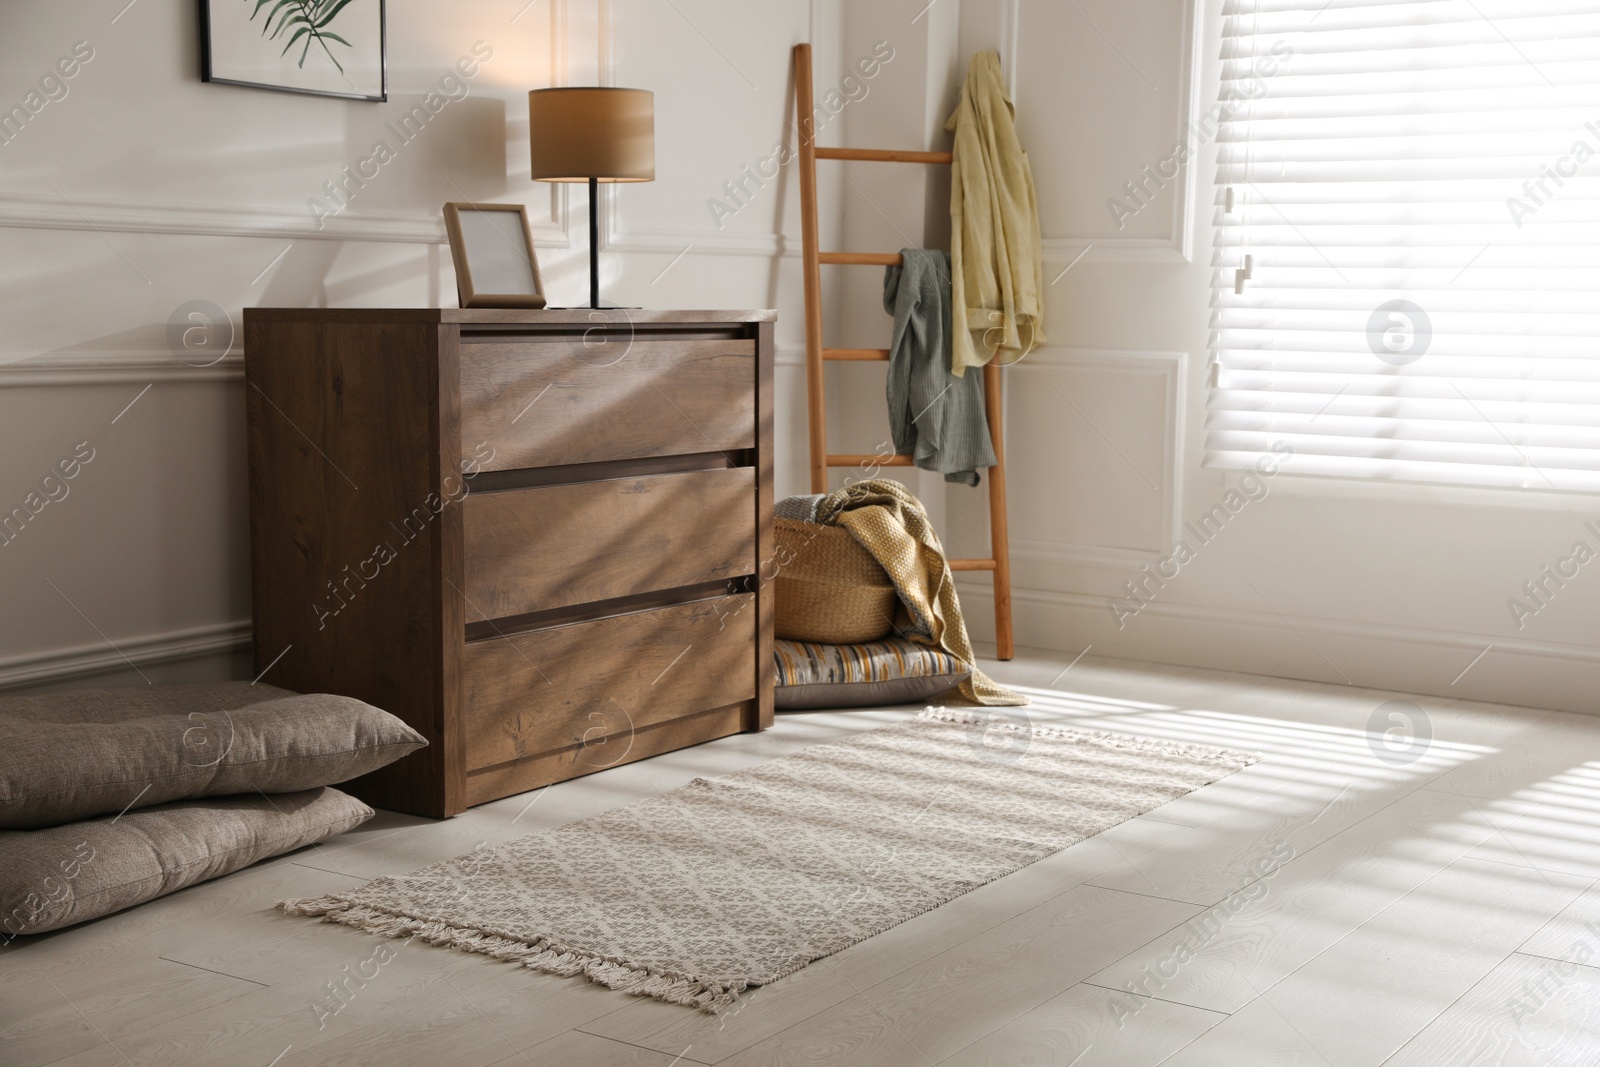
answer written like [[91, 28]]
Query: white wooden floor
[[1327, 906]]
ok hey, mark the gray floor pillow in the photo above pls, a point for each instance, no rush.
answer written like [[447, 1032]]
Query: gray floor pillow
[[86, 752], [69, 874]]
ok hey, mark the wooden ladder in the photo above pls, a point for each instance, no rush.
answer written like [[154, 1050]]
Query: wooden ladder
[[999, 563]]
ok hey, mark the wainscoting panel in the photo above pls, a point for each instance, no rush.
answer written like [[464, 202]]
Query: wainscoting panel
[[1105, 89], [1095, 452], [122, 525]]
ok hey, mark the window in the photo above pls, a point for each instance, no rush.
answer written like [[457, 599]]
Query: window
[[1407, 259]]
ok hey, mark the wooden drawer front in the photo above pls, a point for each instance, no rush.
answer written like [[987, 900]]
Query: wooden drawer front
[[586, 687], [547, 403], [555, 546]]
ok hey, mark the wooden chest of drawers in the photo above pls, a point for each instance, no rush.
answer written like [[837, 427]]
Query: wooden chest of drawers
[[533, 535]]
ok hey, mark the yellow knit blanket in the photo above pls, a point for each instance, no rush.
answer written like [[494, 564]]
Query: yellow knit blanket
[[892, 525]]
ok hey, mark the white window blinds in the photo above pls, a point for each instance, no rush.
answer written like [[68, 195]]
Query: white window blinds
[[1408, 198]]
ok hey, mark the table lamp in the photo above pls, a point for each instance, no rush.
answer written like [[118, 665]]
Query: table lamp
[[592, 134]]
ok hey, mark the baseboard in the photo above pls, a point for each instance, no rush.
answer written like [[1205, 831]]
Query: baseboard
[[1439, 663], [149, 651]]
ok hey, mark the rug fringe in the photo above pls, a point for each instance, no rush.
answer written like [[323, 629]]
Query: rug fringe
[[708, 996], [997, 720]]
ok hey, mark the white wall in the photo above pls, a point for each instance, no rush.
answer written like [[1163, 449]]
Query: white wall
[[1383, 585], [143, 189]]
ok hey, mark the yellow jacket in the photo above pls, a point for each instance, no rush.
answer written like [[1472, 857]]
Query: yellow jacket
[[997, 271]]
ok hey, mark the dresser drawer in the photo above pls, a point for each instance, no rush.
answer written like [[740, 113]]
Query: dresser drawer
[[555, 546], [555, 402], [586, 687]]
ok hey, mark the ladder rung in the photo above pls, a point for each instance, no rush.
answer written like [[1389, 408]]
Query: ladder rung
[[861, 259], [883, 155], [869, 461], [862, 354], [972, 564]]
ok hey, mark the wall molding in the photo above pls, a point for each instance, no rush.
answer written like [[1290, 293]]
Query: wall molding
[[1009, 34], [1383, 656], [124, 216], [171, 646], [1113, 250], [1077, 554], [118, 367], [673, 242], [24, 211], [1173, 369], [1178, 246]]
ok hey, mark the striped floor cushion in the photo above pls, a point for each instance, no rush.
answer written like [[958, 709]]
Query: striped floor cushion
[[879, 673]]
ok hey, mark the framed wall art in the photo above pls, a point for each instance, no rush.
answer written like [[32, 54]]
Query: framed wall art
[[323, 47]]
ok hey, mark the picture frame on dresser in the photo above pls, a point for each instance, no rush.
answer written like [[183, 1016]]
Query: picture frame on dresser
[[542, 592], [491, 247]]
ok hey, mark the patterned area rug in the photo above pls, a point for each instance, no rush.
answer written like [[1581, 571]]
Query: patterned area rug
[[728, 883]]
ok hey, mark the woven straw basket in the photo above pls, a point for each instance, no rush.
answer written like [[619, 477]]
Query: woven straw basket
[[829, 589]]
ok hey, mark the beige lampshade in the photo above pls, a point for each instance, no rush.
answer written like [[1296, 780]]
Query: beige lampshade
[[580, 133]]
